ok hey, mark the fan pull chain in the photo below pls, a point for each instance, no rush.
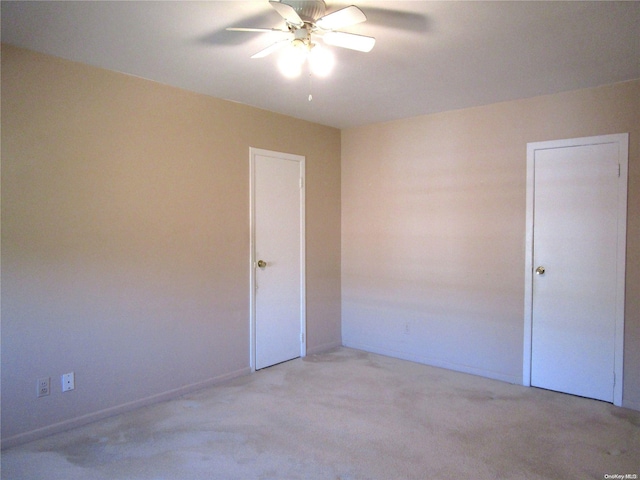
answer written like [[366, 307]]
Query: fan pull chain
[[310, 85]]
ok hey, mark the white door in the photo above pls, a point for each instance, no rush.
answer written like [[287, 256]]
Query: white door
[[278, 302], [577, 253]]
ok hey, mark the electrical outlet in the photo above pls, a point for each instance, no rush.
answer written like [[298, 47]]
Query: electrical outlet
[[43, 386], [68, 382]]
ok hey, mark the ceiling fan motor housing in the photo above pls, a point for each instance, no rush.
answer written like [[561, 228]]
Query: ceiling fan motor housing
[[308, 10], [302, 37]]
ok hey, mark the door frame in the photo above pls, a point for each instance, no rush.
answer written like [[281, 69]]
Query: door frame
[[622, 140], [253, 152]]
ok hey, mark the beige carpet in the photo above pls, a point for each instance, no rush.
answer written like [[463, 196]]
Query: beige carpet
[[347, 415]]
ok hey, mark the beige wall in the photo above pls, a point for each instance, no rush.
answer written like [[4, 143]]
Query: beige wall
[[433, 229], [125, 238]]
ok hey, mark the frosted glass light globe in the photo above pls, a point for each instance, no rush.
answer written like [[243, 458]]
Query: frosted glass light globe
[[321, 61], [291, 61]]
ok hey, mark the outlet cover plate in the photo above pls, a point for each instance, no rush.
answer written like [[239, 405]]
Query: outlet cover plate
[[43, 386], [68, 382]]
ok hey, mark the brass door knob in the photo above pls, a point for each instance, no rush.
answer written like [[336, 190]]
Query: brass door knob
[[262, 264], [540, 270]]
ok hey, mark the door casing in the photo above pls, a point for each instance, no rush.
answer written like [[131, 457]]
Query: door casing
[[253, 153], [623, 145]]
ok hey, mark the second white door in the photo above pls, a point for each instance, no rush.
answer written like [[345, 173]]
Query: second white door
[[576, 252], [278, 260]]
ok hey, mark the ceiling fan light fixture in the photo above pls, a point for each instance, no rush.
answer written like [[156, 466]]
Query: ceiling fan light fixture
[[291, 61], [305, 22], [321, 61]]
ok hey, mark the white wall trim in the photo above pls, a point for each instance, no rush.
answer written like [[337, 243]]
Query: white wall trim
[[622, 140], [432, 362], [325, 347]]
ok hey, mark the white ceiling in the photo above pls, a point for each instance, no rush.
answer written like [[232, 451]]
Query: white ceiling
[[429, 56]]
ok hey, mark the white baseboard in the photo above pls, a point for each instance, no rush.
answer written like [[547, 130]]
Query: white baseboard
[[630, 404], [437, 363], [324, 347], [118, 409]]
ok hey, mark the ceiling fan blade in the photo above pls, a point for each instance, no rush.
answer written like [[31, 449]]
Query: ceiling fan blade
[[287, 12], [344, 17], [270, 49], [248, 29], [361, 43]]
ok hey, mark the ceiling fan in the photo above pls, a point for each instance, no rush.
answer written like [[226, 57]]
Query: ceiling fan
[[305, 20]]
